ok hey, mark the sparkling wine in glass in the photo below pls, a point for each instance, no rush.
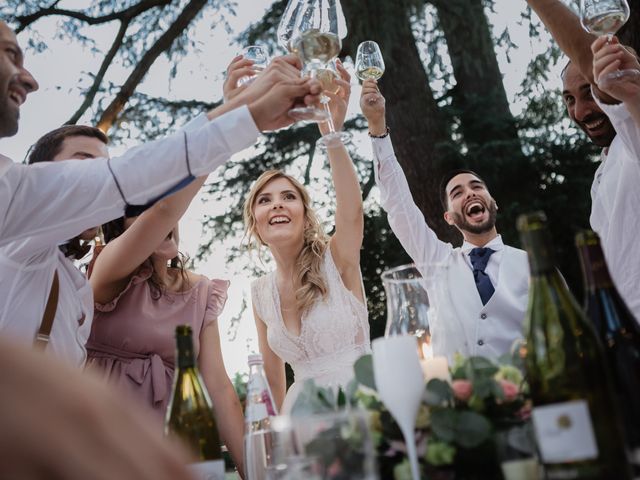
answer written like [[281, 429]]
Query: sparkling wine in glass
[[260, 58], [369, 61], [400, 384], [327, 76], [606, 17], [317, 39]]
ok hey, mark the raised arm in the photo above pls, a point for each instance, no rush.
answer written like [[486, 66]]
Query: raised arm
[[349, 220], [55, 202], [405, 218], [123, 255], [565, 28], [608, 58]]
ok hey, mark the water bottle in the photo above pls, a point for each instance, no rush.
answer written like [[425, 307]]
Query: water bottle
[[260, 407]]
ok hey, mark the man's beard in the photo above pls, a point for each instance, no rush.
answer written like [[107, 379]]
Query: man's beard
[[8, 120], [461, 222]]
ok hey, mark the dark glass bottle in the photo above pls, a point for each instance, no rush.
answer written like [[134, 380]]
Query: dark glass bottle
[[189, 414], [619, 333], [575, 417]]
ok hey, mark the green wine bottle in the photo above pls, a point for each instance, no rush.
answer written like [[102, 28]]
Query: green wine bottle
[[189, 414], [620, 335], [575, 418]]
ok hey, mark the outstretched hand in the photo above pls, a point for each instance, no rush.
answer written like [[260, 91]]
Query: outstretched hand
[[609, 58], [372, 104], [271, 110], [281, 68]]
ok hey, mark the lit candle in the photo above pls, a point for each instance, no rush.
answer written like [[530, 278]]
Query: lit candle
[[436, 367]]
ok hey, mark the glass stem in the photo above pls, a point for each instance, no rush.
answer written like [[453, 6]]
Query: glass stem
[[325, 104]]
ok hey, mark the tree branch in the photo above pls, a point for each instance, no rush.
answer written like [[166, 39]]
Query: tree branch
[[124, 15], [163, 43], [91, 94]]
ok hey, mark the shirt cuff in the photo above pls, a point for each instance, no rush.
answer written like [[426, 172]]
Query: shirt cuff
[[196, 123], [238, 128], [616, 112], [382, 148]]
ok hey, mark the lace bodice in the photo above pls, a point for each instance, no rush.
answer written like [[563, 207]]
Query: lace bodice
[[333, 335]]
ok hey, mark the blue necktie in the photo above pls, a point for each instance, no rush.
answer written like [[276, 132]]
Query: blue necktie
[[479, 259]]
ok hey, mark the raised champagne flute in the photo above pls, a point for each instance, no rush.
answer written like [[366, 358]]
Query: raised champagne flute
[[606, 17], [317, 39], [327, 76], [259, 55]]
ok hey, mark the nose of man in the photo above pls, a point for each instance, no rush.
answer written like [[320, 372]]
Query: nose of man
[[27, 81], [582, 109]]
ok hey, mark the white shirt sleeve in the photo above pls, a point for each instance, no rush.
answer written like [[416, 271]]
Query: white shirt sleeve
[[405, 218], [52, 202], [624, 125]]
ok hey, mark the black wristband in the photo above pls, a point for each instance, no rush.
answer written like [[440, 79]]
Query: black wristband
[[385, 134]]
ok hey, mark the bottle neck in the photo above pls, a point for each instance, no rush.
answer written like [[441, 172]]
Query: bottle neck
[[594, 268], [186, 357], [538, 245]]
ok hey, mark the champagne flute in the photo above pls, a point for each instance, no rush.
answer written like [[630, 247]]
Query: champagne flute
[[316, 38], [400, 384], [260, 58], [327, 76], [606, 17]]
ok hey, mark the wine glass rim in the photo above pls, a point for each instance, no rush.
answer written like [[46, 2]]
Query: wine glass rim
[[387, 275], [285, 422]]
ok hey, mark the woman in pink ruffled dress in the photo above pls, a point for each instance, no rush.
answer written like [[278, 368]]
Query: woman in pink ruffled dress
[[141, 292]]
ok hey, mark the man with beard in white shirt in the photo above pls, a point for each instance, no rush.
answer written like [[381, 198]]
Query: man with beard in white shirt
[[615, 195], [485, 284]]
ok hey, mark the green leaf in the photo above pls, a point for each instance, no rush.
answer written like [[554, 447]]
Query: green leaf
[[311, 400], [364, 371], [443, 423], [480, 367], [438, 393], [350, 391], [471, 429], [483, 387], [341, 400]]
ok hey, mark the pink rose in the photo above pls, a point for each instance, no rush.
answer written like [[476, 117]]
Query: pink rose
[[509, 389], [462, 389]]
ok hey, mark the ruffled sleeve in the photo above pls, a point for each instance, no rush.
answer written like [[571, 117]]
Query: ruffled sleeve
[[141, 275], [217, 299]]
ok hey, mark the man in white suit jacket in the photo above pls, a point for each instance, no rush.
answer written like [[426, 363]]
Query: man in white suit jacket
[[482, 287]]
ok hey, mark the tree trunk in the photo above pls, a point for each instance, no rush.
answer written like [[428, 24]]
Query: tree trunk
[[419, 130], [479, 96]]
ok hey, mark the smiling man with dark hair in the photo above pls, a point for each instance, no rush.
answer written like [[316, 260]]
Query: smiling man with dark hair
[[487, 281], [609, 124]]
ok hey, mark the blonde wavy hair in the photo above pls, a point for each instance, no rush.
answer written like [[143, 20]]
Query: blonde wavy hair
[[313, 285]]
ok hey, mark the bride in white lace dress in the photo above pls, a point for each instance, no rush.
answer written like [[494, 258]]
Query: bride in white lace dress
[[311, 311]]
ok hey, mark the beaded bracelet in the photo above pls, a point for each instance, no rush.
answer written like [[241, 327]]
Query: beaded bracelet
[[385, 134]]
